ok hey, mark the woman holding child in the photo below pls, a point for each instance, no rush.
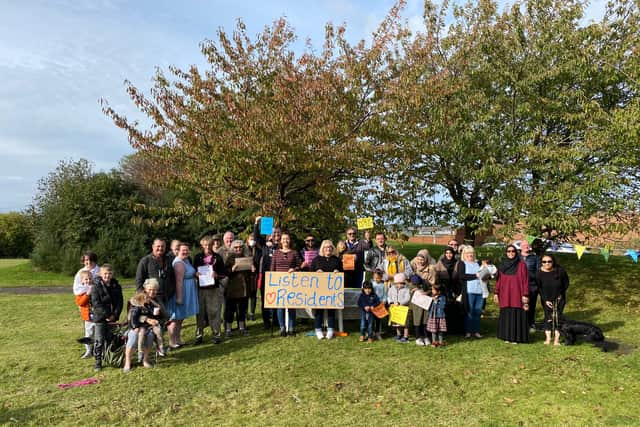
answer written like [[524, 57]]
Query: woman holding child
[[147, 313]]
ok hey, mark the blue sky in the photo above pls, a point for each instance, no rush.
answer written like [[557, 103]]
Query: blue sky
[[59, 57]]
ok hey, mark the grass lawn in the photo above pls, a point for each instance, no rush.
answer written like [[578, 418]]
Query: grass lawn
[[260, 380], [20, 272]]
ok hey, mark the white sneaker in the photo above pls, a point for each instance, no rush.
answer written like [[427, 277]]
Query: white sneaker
[[319, 334], [420, 341], [87, 354], [426, 341], [329, 333]]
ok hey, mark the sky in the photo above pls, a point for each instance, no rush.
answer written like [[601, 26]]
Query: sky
[[59, 58]]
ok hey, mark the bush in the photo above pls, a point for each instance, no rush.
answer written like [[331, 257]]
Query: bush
[[16, 235]]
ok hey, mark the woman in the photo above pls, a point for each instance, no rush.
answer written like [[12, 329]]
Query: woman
[[285, 259], [426, 278], [90, 263], [512, 294], [256, 254], [394, 263], [325, 262], [552, 281], [185, 301], [471, 288], [236, 294], [447, 276], [150, 313]]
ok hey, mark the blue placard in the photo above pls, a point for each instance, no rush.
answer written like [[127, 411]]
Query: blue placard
[[266, 225]]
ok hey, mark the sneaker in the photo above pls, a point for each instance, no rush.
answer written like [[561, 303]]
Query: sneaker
[[404, 340], [140, 356], [467, 335], [216, 339], [532, 330], [97, 367], [420, 341], [283, 333], [477, 335], [319, 334], [329, 333], [361, 339], [398, 338], [161, 352], [426, 341], [87, 354], [291, 333]]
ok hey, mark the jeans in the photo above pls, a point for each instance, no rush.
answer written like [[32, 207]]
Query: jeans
[[132, 338], [292, 319], [366, 323], [318, 318], [472, 318]]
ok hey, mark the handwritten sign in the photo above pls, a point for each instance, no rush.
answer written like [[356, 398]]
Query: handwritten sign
[[380, 311], [303, 289], [266, 225], [309, 255], [348, 262], [365, 223], [422, 300], [398, 314], [205, 276]]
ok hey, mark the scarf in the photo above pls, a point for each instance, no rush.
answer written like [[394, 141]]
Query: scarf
[[396, 265], [510, 266]]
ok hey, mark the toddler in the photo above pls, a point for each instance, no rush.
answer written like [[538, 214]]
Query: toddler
[[367, 300], [397, 295], [380, 290], [83, 290], [437, 323]]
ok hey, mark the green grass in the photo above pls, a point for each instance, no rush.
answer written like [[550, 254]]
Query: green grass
[[20, 272], [260, 380]]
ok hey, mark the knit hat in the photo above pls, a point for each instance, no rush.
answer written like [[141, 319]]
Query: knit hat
[[399, 278]]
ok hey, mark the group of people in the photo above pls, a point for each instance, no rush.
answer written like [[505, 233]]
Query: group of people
[[222, 281]]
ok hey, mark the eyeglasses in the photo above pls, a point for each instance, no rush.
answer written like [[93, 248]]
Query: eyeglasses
[[351, 234], [548, 261], [391, 252]]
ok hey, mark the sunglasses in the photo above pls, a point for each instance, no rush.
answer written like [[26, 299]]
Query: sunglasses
[[351, 234], [547, 261]]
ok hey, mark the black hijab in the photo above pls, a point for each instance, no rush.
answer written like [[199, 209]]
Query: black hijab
[[510, 266], [449, 263]]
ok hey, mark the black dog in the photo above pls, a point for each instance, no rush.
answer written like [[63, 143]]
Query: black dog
[[571, 329]]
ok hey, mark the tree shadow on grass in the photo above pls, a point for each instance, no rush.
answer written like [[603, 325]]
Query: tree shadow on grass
[[21, 415]]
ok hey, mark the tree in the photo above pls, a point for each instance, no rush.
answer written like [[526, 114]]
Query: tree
[[263, 130], [501, 116], [16, 235]]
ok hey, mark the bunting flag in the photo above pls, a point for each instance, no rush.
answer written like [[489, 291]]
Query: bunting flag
[[530, 238], [633, 254], [605, 253], [579, 250]]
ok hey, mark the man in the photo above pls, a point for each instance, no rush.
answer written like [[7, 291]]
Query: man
[[354, 278], [157, 265], [225, 250], [374, 257], [309, 252], [532, 261], [268, 245]]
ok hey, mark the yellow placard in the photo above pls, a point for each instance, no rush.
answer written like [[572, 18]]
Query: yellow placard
[[365, 223], [302, 289], [398, 314]]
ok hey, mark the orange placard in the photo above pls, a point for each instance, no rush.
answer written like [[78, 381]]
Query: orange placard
[[380, 311], [348, 262]]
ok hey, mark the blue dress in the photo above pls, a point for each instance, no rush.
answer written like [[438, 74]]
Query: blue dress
[[189, 305]]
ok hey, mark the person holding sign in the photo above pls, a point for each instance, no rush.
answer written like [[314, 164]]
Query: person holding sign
[[353, 276], [367, 301], [399, 295], [309, 252], [326, 262], [236, 293], [287, 260], [267, 246], [210, 297]]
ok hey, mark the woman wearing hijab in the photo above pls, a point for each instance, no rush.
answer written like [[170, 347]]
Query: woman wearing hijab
[[447, 276], [512, 294]]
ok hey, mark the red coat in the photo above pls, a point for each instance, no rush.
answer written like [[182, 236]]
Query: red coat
[[511, 288]]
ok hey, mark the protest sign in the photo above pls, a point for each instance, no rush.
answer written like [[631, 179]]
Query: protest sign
[[422, 300], [205, 276], [380, 311], [243, 263], [398, 314], [302, 289], [348, 262], [309, 255], [365, 223], [266, 225]]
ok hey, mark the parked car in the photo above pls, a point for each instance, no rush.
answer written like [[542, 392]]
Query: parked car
[[563, 248], [494, 245]]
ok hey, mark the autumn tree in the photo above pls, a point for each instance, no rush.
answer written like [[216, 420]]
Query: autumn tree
[[502, 116], [263, 130]]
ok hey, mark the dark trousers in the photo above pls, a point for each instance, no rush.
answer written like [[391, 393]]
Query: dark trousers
[[533, 301], [233, 306], [267, 313]]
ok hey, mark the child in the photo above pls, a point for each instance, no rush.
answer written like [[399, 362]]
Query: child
[[106, 305], [397, 295], [437, 323], [380, 290], [487, 271], [82, 301], [143, 308], [367, 300]]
